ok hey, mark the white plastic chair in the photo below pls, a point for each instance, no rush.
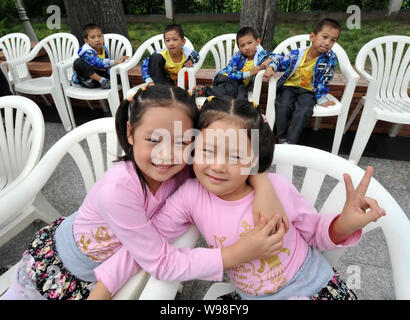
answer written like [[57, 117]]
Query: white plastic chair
[[319, 164], [222, 48], [118, 46], [151, 45], [21, 144], [15, 46], [60, 47], [85, 145], [387, 96], [341, 108]]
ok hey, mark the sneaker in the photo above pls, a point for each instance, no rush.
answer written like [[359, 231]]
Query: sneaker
[[88, 83], [105, 84], [198, 91], [282, 141]]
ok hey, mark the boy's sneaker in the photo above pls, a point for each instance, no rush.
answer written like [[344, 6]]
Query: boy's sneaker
[[282, 141], [88, 83], [198, 91], [105, 84]]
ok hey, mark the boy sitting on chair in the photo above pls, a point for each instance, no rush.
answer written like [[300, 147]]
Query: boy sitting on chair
[[163, 66], [236, 79], [92, 68], [305, 82]]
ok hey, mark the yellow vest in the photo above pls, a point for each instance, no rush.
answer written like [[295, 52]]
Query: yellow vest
[[171, 67], [304, 74]]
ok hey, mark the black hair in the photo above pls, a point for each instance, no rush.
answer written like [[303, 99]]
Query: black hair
[[243, 111], [245, 31], [175, 27], [327, 22], [88, 27], [132, 112]]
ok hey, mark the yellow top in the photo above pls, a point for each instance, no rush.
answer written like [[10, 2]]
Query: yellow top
[[247, 67], [303, 75], [172, 67], [102, 55]]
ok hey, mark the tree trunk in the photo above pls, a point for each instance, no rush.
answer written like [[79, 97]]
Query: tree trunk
[[261, 15], [108, 14]]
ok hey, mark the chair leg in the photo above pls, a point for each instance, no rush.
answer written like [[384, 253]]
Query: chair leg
[[46, 100], [44, 210], [114, 102], [366, 126], [103, 105], [62, 109], [316, 125], [337, 139], [356, 110], [395, 129]]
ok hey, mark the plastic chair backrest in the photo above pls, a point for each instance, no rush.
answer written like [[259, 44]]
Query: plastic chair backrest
[[60, 47], [21, 137], [222, 49], [388, 60], [14, 46], [117, 45]]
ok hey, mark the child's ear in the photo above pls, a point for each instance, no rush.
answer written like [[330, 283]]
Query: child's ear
[[130, 138], [312, 36], [258, 40], [183, 41]]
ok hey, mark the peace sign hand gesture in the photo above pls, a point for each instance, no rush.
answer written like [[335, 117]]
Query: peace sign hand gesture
[[354, 215]]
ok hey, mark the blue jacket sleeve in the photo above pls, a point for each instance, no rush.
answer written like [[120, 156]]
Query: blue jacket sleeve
[[95, 61]]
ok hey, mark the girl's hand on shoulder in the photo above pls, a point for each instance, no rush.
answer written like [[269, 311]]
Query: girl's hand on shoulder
[[358, 210]]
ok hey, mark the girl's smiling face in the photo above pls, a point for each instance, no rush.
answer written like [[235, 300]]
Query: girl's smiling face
[[158, 143], [219, 166]]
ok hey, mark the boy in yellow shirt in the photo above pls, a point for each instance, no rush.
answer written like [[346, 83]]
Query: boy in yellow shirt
[[305, 82]]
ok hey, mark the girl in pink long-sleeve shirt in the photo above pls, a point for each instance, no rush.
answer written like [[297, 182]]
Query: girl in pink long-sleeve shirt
[[219, 203], [65, 258]]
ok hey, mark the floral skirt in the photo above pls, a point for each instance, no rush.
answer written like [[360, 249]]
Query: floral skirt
[[336, 289], [51, 279]]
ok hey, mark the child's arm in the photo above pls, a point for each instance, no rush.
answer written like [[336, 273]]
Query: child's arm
[[146, 77], [354, 216], [95, 61], [121, 59], [266, 202], [99, 292]]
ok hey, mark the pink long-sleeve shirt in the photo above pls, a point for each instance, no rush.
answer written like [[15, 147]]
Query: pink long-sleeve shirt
[[115, 218], [222, 223]]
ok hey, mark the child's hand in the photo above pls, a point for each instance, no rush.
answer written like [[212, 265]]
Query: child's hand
[[264, 241], [328, 104], [255, 70], [266, 63], [121, 59], [188, 64], [100, 292], [269, 72], [354, 216]]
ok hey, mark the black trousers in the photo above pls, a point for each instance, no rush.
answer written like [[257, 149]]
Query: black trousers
[[156, 69], [225, 86], [292, 104], [4, 86], [84, 72]]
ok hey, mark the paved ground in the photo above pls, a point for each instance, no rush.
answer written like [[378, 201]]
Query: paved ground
[[366, 266]]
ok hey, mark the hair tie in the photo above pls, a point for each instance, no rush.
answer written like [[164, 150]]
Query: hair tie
[[198, 106], [130, 98], [264, 118], [209, 99], [144, 87], [255, 105]]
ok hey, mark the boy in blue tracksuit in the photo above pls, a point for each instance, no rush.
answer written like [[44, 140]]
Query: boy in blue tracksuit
[[92, 68], [236, 79], [305, 82]]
